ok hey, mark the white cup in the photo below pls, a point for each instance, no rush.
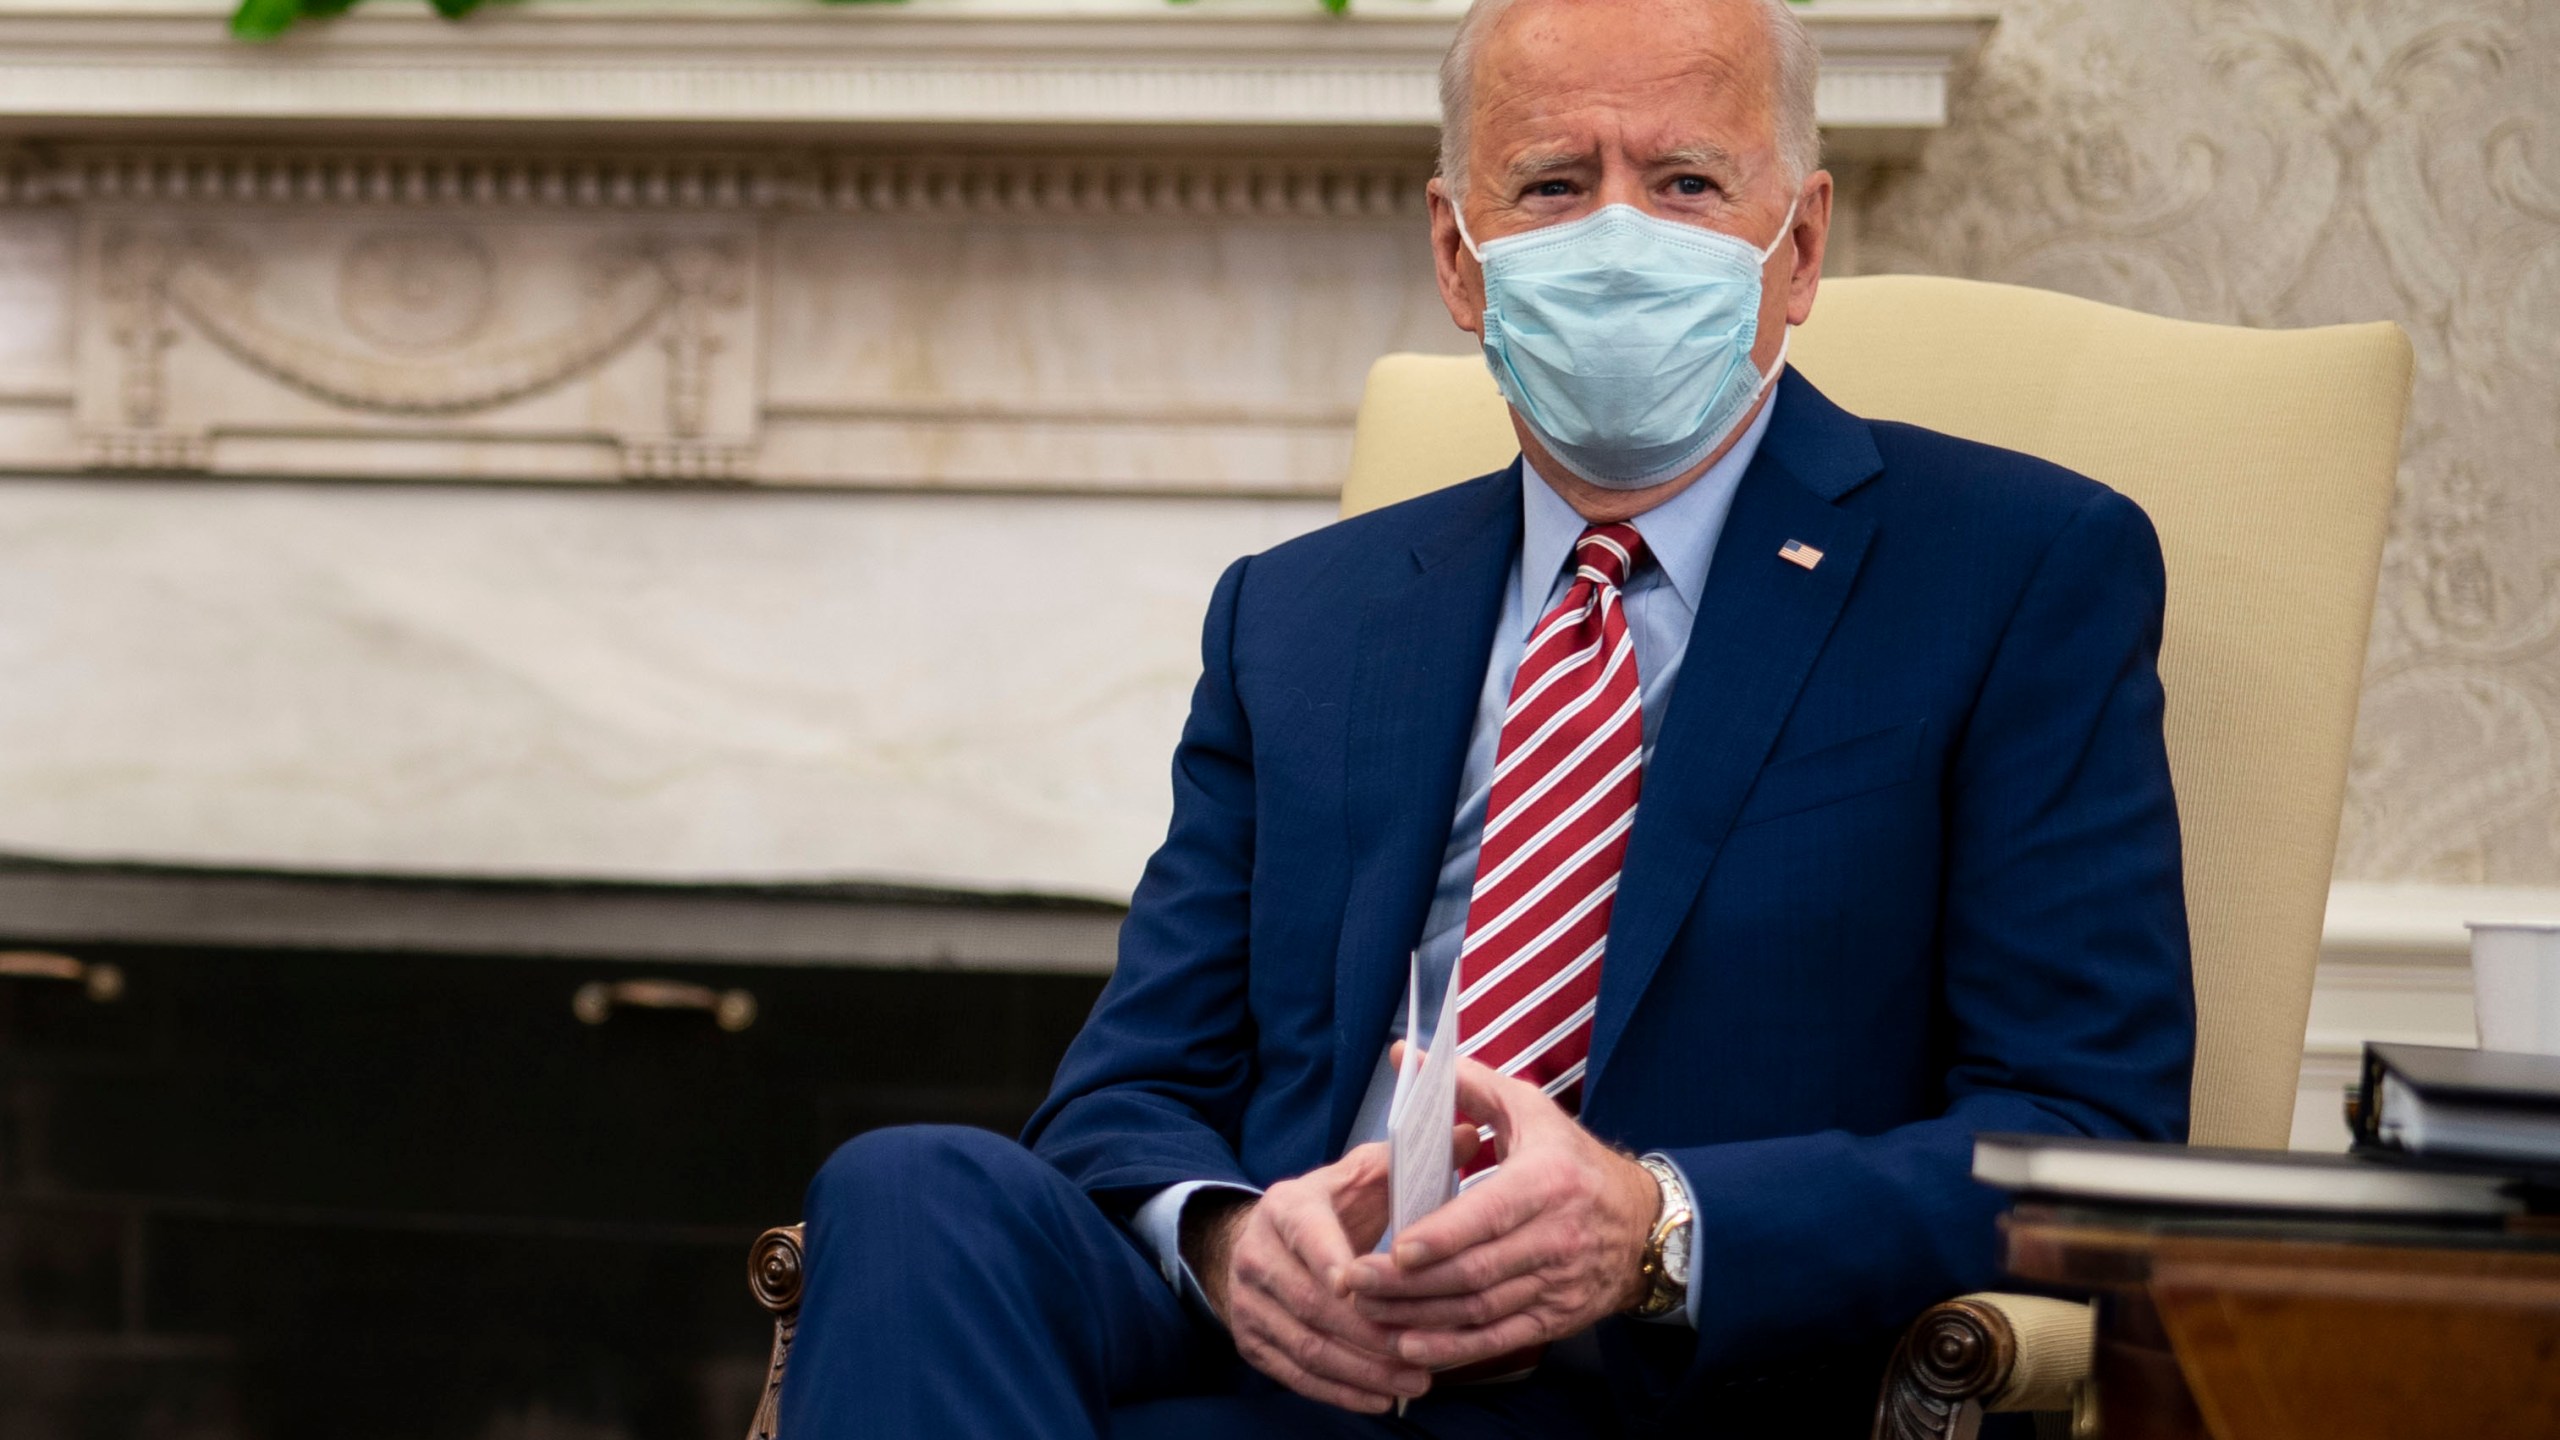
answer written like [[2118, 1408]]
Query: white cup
[[2515, 984]]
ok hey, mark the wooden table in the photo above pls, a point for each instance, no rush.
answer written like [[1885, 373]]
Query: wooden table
[[2272, 1331]]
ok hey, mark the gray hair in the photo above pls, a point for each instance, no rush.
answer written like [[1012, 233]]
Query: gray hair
[[1798, 65]]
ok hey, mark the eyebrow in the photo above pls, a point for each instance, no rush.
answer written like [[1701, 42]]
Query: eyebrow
[[1694, 157], [1537, 163], [1543, 162]]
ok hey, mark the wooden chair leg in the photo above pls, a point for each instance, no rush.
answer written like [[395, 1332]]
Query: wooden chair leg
[[1955, 1357], [773, 1276]]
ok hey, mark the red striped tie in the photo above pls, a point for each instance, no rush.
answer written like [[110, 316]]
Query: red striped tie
[[1565, 778]]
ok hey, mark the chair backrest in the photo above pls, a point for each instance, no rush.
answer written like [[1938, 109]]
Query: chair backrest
[[2264, 457]]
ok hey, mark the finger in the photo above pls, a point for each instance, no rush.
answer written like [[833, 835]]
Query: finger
[[1528, 1250], [1269, 1268], [1364, 1224], [1360, 1166], [1464, 1142], [1272, 1361], [1500, 1101], [1446, 1349], [1360, 1197], [1308, 1303], [1315, 1236], [1482, 1212], [1274, 1332], [1453, 1312]]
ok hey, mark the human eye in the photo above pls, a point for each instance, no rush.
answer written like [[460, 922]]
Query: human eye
[[1693, 186]]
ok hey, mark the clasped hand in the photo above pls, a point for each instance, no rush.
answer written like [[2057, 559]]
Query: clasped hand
[[1549, 1245]]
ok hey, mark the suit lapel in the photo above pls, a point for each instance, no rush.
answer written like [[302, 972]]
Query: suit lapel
[[1761, 622], [1418, 671]]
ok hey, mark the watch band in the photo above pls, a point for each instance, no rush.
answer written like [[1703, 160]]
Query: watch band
[[1663, 1293]]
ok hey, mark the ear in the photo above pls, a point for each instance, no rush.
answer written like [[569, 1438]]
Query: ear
[[1812, 233], [1461, 279]]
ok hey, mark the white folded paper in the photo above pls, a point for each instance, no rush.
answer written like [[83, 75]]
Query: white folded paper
[[1422, 1113]]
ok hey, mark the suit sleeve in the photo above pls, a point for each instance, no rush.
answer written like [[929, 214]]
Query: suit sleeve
[[1151, 1091], [2066, 995]]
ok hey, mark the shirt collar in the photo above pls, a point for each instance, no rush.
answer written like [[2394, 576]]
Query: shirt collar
[[1680, 533]]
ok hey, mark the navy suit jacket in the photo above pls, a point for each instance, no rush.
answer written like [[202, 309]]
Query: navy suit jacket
[[1905, 869]]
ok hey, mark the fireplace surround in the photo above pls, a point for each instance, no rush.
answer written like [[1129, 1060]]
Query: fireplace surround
[[359, 1156]]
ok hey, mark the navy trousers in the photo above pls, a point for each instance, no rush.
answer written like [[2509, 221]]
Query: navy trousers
[[959, 1287]]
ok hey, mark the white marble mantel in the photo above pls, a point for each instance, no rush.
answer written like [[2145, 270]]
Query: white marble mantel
[[970, 64]]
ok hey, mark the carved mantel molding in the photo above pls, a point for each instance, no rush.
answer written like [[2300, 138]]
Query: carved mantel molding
[[968, 65], [565, 314]]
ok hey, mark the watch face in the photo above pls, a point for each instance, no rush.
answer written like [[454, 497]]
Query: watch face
[[1675, 1257]]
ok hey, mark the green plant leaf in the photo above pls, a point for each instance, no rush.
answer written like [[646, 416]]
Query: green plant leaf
[[264, 19]]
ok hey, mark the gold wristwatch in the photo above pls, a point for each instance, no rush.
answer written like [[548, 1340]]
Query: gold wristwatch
[[1666, 1251]]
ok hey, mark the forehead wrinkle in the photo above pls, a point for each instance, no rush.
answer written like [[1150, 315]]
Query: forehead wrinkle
[[1532, 77]]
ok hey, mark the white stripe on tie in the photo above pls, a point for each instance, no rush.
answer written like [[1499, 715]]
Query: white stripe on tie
[[1568, 769], [1534, 998]]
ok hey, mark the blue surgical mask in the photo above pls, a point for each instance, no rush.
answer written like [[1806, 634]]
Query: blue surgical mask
[[1625, 341]]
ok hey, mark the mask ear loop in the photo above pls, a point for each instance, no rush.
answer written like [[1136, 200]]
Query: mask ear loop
[[1777, 362], [1777, 367], [1459, 214], [1786, 228]]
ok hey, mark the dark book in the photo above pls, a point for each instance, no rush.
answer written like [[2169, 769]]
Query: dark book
[[2124, 1174], [2475, 1105]]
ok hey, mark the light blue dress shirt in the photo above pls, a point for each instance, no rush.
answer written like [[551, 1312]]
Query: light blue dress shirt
[[1661, 600]]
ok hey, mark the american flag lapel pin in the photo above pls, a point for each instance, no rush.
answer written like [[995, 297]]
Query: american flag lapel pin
[[1796, 552]]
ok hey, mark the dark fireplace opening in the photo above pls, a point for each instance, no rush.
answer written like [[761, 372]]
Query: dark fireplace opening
[[265, 1185]]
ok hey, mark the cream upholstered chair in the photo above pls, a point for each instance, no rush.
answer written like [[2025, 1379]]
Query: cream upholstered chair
[[2265, 460]]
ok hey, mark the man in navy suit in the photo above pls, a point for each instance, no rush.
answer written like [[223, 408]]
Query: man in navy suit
[[1783, 792]]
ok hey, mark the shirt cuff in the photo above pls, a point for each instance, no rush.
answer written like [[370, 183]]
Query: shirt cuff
[[1687, 1314], [1158, 1225]]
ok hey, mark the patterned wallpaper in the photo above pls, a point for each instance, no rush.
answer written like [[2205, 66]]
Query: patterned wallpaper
[[2304, 162]]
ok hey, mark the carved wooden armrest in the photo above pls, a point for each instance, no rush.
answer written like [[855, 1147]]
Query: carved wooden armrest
[[773, 1277], [1985, 1352]]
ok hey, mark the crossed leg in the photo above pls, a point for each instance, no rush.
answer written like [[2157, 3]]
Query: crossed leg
[[960, 1287]]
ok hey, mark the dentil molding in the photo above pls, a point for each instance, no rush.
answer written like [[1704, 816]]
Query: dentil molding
[[1273, 65], [473, 179]]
